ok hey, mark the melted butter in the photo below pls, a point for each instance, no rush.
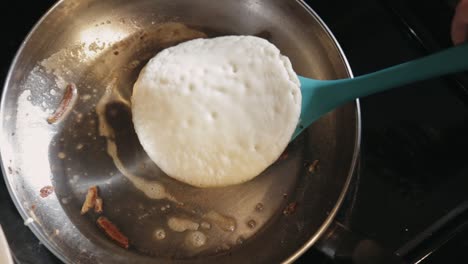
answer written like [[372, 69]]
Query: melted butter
[[225, 223], [160, 234], [152, 189], [181, 224], [197, 239]]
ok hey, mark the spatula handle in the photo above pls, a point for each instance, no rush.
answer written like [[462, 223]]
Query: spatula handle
[[448, 61], [320, 97]]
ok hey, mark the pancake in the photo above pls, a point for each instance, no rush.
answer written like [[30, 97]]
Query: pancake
[[216, 112]]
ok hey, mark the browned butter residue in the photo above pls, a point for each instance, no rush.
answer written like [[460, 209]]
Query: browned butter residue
[[152, 189]]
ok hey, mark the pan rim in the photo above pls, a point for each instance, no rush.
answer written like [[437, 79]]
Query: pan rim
[[56, 250], [51, 247], [357, 145]]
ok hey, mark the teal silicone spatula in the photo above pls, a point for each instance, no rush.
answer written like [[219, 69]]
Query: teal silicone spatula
[[320, 97]]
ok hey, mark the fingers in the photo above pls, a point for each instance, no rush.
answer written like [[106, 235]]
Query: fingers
[[459, 27]]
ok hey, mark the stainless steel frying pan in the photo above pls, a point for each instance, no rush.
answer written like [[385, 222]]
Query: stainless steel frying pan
[[100, 46]]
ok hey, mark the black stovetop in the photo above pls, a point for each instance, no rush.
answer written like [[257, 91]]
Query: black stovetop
[[411, 191]]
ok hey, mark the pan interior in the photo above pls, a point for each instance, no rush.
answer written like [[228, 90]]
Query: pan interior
[[101, 49]]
